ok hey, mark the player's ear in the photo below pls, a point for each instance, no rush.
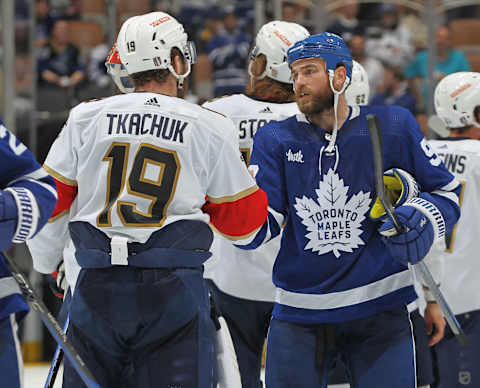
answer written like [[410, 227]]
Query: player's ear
[[179, 64], [339, 77]]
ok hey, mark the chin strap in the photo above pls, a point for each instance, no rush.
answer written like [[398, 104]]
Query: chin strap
[[336, 95], [180, 77]]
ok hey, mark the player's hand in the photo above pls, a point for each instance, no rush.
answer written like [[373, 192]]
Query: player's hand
[[413, 244], [434, 319], [400, 187], [57, 281]]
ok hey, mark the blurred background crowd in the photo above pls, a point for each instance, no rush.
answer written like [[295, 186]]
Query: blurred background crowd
[[61, 62]]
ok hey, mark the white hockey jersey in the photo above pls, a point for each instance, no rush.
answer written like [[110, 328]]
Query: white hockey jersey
[[457, 267], [246, 274], [132, 164]]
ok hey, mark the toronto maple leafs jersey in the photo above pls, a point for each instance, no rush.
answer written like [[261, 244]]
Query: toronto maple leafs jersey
[[246, 274], [35, 196], [332, 265], [131, 165], [456, 265]]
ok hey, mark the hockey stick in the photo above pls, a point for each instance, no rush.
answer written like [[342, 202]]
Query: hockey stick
[[51, 323], [377, 149], [57, 360]]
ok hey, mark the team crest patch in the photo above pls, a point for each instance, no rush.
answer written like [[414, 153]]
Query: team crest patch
[[333, 221]]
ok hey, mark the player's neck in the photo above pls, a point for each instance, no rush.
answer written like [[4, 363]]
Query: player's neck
[[169, 87], [471, 132], [326, 119]]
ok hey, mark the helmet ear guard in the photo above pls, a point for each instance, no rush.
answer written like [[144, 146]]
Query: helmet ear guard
[[118, 72]]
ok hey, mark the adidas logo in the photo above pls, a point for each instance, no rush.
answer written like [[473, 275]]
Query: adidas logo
[[266, 110], [153, 101]]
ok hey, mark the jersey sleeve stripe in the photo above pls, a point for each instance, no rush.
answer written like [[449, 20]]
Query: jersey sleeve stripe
[[66, 195], [235, 197], [58, 216], [234, 238], [59, 177], [451, 186], [449, 195], [234, 219]]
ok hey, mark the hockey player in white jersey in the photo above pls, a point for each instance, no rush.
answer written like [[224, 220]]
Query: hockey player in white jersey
[[140, 176], [457, 104], [242, 280]]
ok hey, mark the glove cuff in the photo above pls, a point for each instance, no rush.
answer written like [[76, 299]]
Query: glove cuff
[[28, 214], [432, 213]]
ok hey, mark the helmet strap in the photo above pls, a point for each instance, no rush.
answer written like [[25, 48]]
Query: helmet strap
[[180, 77], [336, 95]]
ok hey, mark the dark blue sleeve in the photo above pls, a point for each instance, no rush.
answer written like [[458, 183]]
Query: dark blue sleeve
[[28, 193], [267, 164]]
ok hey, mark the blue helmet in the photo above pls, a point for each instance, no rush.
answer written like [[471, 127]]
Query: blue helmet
[[327, 46]]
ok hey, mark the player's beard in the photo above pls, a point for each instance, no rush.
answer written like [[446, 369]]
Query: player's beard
[[317, 104]]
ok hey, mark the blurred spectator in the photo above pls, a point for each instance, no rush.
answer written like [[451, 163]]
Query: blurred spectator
[[210, 28], [59, 63], [295, 11], [448, 61], [97, 72], [395, 90], [414, 23], [45, 19], [68, 9], [21, 10], [228, 53], [456, 12], [390, 42], [372, 66], [346, 23]]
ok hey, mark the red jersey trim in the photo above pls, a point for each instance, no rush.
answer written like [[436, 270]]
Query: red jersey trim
[[239, 219], [66, 195]]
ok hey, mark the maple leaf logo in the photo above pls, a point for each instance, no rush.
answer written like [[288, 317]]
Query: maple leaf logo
[[333, 223]]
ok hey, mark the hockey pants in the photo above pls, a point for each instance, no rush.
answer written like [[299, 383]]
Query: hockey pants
[[142, 328], [377, 351]]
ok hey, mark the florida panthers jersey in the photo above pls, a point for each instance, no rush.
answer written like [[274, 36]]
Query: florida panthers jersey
[[35, 196], [132, 164], [456, 265], [333, 265], [246, 274]]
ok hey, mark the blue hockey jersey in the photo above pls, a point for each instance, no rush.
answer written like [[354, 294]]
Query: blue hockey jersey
[[332, 265], [34, 196]]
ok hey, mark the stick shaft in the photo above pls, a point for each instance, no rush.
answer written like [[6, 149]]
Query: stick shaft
[[51, 323], [377, 149]]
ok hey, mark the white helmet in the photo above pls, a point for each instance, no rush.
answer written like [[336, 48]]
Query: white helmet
[[145, 43], [358, 92], [273, 40], [118, 72], [456, 97]]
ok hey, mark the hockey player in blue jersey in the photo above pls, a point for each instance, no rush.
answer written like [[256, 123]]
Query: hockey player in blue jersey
[[342, 278], [27, 198]]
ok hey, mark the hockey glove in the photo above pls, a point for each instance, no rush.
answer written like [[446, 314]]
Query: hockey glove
[[400, 187], [413, 244], [8, 219], [57, 281]]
